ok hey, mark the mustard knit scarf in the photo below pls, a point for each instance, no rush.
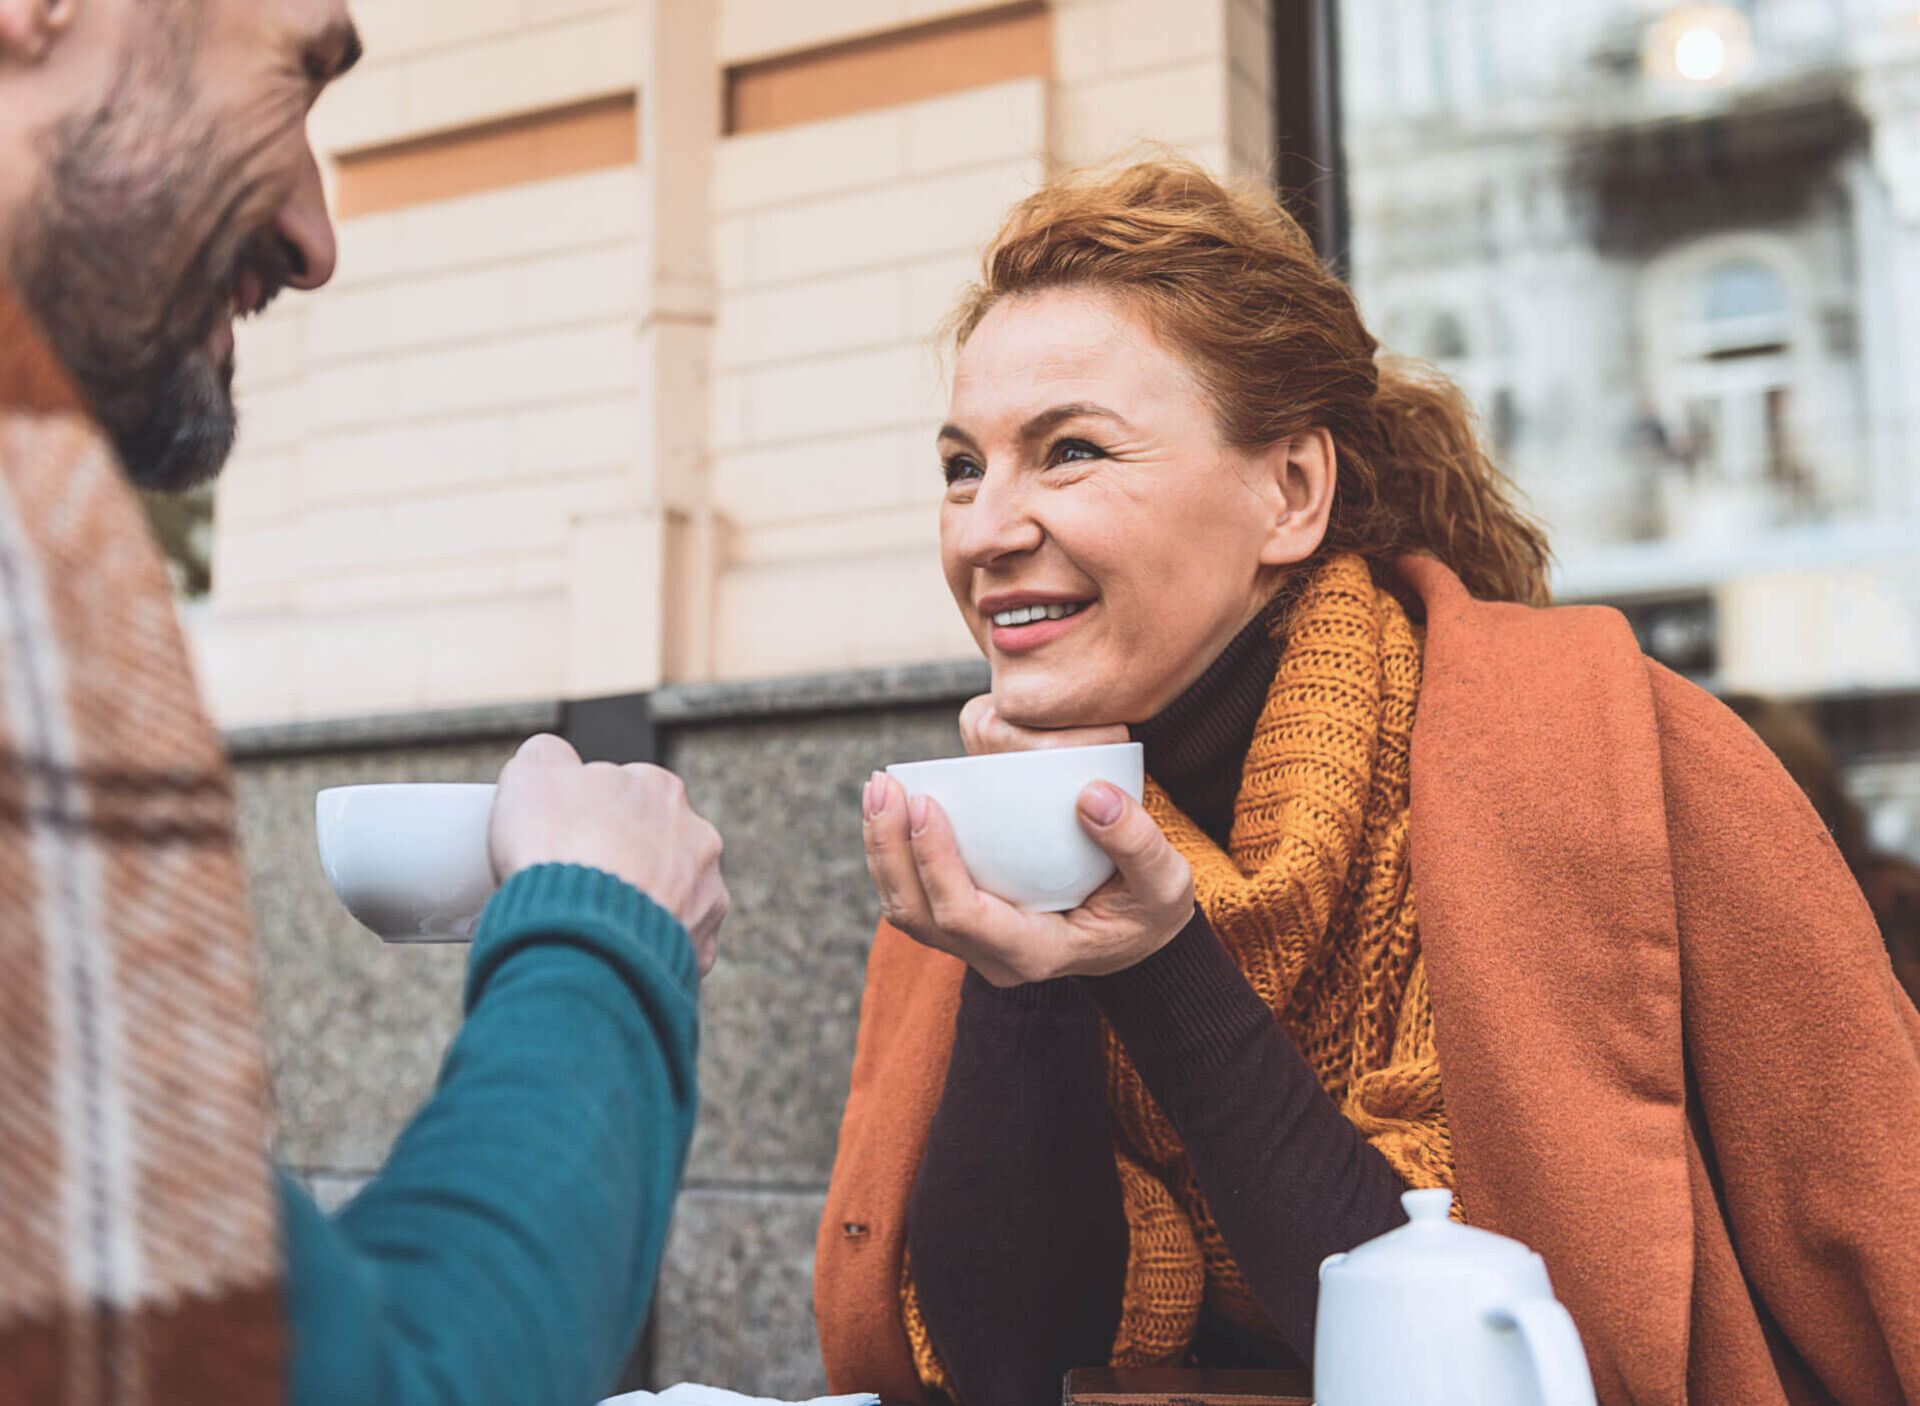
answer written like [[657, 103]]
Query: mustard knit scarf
[[1314, 904]]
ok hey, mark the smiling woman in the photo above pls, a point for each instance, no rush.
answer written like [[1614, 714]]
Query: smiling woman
[[1402, 822], [1111, 412]]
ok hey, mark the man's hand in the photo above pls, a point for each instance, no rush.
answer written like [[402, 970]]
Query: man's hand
[[633, 822]]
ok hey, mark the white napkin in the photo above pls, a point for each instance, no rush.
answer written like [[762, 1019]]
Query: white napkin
[[691, 1394]]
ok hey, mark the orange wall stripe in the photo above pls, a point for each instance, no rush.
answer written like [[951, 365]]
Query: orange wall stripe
[[947, 56], [542, 146]]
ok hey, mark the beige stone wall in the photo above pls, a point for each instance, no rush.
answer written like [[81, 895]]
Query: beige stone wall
[[1194, 76], [843, 244], [434, 65], [417, 440], [658, 422]]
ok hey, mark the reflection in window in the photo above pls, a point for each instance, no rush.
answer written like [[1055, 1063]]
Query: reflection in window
[[1741, 292], [1446, 339], [1734, 377], [1682, 305]]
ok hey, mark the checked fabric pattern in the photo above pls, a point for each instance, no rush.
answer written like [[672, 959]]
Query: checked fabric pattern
[[137, 1227]]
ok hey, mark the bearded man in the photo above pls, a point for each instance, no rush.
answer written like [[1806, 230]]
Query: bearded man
[[156, 183]]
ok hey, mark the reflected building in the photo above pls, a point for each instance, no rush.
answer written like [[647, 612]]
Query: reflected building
[[1673, 251]]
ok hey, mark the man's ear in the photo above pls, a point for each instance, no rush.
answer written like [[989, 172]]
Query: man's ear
[[29, 27], [1302, 472]]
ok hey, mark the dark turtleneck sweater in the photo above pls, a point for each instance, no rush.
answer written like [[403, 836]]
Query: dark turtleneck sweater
[[1016, 1232]]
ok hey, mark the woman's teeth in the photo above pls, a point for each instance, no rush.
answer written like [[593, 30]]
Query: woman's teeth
[[1029, 614]]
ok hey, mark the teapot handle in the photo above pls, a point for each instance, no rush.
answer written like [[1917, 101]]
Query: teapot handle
[[1553, 1347]]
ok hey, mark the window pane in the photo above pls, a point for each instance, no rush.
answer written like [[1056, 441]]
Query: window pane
[[1672, 251], [1742, 291]]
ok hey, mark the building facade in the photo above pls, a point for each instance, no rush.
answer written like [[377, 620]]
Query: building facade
[[1672, 251], [618, 421], [628, 375]]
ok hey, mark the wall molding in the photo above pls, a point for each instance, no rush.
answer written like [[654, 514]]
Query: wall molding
[[950, 681], [539, 146], [888, 70]]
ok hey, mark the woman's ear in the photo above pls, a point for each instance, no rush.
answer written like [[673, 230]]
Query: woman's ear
[[1302, 470]]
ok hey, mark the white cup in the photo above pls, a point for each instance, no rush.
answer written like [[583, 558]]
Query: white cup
[[1015, 817], [409, 861]]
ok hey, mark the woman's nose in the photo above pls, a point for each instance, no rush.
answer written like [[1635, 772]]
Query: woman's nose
[[307, 229], [997, 524]]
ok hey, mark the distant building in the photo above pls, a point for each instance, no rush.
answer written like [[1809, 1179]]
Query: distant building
[[1674, 252]]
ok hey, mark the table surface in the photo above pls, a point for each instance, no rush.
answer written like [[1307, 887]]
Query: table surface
[[1186, 1386]]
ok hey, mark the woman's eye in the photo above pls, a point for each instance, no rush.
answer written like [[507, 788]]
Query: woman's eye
[[958, 468], [1071, 451]]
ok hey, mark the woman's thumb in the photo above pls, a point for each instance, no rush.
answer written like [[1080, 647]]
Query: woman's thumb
[[1121, 826]]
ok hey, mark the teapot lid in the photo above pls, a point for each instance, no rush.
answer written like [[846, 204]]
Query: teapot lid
[[1430, 1242]]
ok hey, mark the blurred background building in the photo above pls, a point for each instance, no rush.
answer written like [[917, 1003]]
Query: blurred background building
[[618, 421], [1674, 253]]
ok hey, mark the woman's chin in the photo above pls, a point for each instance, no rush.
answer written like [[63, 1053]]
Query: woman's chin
[[1045, 710]]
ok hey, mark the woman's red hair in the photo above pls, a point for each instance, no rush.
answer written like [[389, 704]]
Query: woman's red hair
[[1231, 281]]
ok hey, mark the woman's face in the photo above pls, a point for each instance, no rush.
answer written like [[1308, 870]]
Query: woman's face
[[1102, 543]]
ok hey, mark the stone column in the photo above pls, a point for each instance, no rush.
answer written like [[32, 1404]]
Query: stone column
[[643, 572]]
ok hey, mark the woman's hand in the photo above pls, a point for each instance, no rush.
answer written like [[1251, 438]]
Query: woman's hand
[[926, 892], [983, 730]]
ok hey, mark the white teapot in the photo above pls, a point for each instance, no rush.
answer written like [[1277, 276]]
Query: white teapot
[[1438, 1314]]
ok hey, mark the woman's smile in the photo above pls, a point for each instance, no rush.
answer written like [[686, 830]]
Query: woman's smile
[[1023, 621]]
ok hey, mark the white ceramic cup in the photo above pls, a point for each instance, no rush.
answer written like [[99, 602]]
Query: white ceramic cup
[[409, 861], [1016, 819]]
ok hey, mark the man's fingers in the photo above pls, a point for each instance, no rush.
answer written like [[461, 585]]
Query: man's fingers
[[544, 749], [1120, 825]]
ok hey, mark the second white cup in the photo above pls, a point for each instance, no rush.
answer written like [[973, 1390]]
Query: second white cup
[[410, 861], [1016, 820]]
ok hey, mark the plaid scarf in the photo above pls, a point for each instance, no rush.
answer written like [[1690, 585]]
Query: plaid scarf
[[138, 1241]]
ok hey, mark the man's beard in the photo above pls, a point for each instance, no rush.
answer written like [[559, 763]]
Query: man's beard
[[128, 259]]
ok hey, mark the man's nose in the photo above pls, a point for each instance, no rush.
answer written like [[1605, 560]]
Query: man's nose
[[304, 224]]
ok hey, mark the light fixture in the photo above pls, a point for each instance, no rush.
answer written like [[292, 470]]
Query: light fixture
[[1699, 45], [1700, 55]]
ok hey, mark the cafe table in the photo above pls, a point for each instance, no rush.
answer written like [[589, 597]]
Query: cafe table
[[1186, 1386]]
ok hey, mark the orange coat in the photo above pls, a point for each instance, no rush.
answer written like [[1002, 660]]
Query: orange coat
[[1675, 1057]]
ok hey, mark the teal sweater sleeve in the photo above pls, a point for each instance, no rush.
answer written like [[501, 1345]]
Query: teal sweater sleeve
[[506, 1252]]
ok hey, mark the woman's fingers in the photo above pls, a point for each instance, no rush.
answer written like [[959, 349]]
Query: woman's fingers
[[926, 891], [1006, 945], [952, 900], [983, 730], [977, 725], [1149, 865], [890, 863]]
